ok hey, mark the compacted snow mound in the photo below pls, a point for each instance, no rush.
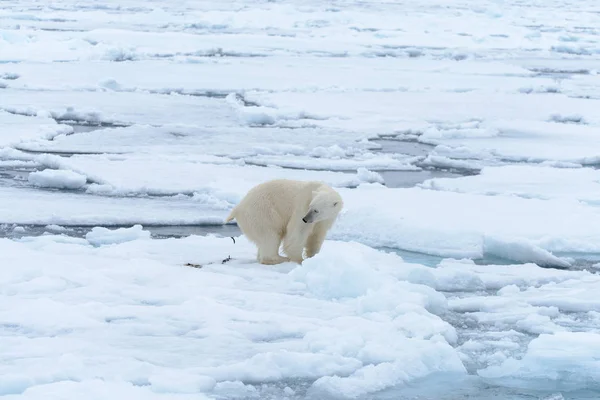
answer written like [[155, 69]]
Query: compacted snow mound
[[59, 179], [102, 236], [522, 250]]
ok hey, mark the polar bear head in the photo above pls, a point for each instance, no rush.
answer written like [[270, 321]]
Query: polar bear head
[[326, 204]]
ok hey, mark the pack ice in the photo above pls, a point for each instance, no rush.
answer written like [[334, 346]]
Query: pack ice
[[462, 136]]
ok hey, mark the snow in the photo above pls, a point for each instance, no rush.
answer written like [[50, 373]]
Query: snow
[[462, 136], [408, 219], [25, 206], [377, 377], [16, 128], [103, 236], [369, 176], [450, 224], [203, 141], [119, 108], [288, 73], [368, 160], [60, 179], [549, 358], [522, 250], [506, 126], [225, 180], [453, 275], [56, 228], [528, 181], [527, 140], [154, 314]]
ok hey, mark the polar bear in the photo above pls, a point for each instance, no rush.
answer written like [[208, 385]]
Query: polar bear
[[299, 213]]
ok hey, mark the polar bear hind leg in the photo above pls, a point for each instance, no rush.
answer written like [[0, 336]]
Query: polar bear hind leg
[[268, 250], [266, 237]]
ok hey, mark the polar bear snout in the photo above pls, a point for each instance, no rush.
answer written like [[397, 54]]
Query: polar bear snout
[[308, 218]]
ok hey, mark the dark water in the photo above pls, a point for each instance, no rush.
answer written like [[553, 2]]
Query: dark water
[[454, 387], [430, 260], [79, 127], [406, 179], [437, 386], [14, 176], [408, 147], [13, 231], [579, 261]]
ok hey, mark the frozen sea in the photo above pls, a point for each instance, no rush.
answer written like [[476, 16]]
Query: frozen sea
[[463, 135]]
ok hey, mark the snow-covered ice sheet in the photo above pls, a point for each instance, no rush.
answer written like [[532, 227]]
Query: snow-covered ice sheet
[[395, 162], [378, 318], [566, 360], [363, 107], [540, 308], [203, 90], [300, 28], [433, 222], [42, 207], [528, 181], [235, 142], [534, 127], [121, 108], [284, 74], [467, 225], [223, 182], [514, 126], [558, 138], [428, 221], [499, 309], [131, 314], [17, 128]]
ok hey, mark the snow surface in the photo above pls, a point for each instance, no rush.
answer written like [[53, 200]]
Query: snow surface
[[27, 206], [155, 316], [220, 179], [466, 225], [542, 182], [570, 354], [102, 236], [17, 128], [59, 179], [116, 119]]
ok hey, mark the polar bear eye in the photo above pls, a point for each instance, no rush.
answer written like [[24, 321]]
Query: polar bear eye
[[316, 211], [335, 204]]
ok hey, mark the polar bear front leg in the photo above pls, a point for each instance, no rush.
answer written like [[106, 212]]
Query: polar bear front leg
[[314, 243], [295, 239], [317, 237]]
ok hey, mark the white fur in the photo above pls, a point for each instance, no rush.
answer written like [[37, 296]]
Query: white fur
[[276, 211]]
